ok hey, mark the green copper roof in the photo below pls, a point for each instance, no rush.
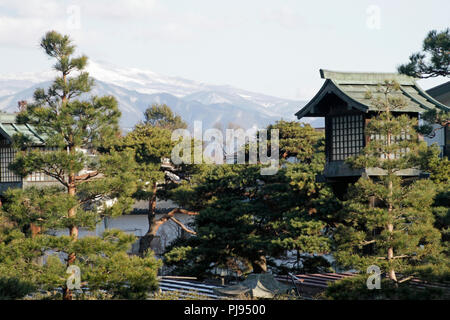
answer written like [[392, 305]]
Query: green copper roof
[[352, 88], [365, 77], [9, 127]]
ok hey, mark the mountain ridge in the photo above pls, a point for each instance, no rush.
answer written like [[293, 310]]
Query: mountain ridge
[[137, 89]]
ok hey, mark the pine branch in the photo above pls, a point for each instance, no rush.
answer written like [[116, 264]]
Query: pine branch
[[365, 243], [56, 176], [183, 211], [182, 226], [396, 257], [406, 279], [170, 216], [402, 256], [86, 177]]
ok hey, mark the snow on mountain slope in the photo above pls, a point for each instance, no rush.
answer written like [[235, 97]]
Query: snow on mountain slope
[[143, 81], [8, 103], [136, 89]]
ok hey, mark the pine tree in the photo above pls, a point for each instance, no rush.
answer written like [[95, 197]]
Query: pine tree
[[71, 126], [35, 263], [162, 116], [150, 146], [246, 219], [439, 170], [37, 210], [151, 143], [300, 141], [387, 221], [434, 61]]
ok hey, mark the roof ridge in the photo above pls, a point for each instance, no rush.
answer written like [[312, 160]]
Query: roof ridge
[[366, 77]]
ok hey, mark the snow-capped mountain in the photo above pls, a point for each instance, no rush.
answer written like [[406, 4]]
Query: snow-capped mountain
[[136, 89]]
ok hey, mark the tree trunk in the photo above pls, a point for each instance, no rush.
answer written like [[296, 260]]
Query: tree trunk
[[35, 230], [145, 241], [72, 211], [155, 224], [73, 232], [390, 253], [260, 265], [390, 226]]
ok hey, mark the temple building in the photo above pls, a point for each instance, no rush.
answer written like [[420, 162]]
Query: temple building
[[8, 179], [442, 94], [135, 223], [344, 103]]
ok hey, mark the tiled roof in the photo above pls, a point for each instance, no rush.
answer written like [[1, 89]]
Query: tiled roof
[[320, 280], [188, 288], [352, 88], [9, 127]]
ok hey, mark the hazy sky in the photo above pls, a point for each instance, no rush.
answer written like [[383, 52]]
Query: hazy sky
[[273, 47]]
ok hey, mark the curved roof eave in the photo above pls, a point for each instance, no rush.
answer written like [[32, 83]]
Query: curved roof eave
[[5, 134], [330, 86], [432, 100]]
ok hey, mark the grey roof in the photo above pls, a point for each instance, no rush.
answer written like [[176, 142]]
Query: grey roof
[[257, 285], [321, 280], [441, 93], [352, 88], [9, 127], [188, 288]]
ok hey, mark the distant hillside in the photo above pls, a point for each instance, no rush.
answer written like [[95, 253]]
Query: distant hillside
[[135, 90]]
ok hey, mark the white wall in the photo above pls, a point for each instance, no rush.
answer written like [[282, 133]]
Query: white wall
[[137, 224], [439, 138]]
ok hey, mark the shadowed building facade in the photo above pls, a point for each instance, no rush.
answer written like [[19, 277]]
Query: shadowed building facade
[[347, 107], [9, 179], [442, 94]]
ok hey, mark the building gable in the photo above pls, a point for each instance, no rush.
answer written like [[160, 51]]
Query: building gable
[[352, 88], [9, 127]]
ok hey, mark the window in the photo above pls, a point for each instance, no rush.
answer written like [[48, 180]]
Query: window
[[398, 152], [39, 176], [347, 136], [6, 157]]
